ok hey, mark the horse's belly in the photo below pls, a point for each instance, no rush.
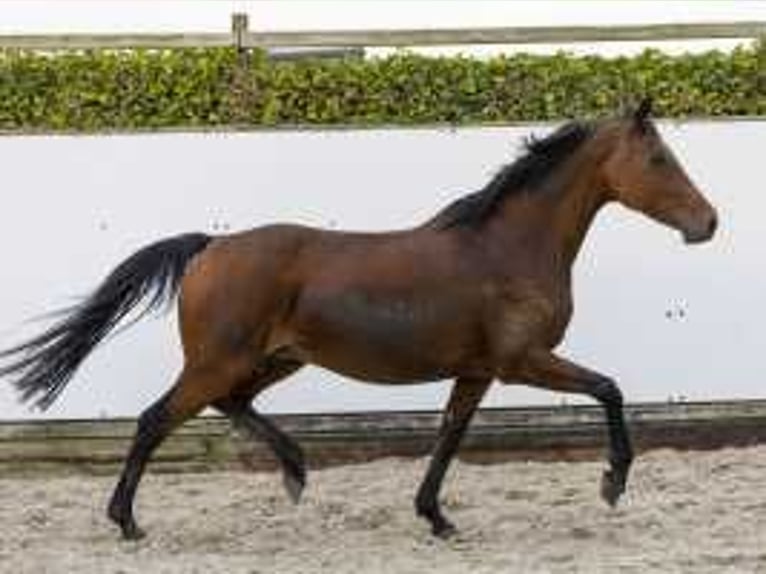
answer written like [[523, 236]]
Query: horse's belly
[[401, 359], [395, 340], [374, 371]]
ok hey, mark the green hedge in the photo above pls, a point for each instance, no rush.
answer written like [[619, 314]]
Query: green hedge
[[212, 87]]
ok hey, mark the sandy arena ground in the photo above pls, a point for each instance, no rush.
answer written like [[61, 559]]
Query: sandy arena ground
[[686, 512]]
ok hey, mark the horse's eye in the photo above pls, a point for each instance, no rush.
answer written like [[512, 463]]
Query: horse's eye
[[658, 159]]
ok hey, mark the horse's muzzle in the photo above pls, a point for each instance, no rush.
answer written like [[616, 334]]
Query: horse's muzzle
[[703, 231]]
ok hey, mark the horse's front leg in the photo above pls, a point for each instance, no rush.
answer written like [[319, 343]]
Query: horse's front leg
[[542, 368], [463, 402]]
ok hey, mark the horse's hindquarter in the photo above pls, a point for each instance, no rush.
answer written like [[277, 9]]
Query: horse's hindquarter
[[387, 307], [236, 293]]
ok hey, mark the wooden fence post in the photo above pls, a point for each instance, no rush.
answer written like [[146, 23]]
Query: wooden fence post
[[239, 28], [240, 86]]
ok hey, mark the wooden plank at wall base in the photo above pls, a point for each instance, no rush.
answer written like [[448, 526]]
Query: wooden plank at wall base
[[542, 433]]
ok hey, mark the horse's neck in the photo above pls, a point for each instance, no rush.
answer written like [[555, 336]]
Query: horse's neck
[[556, 219], [574, 214]]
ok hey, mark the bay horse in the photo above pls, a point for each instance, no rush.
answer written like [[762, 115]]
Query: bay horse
[[480, 292]]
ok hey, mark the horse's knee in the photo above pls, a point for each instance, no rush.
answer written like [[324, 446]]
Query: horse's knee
[[607, 392]]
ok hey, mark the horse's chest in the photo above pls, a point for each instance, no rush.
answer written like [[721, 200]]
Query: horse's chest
[[531, 316], [559, 322]]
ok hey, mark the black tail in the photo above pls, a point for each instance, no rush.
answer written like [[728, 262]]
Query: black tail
[[44, 365]]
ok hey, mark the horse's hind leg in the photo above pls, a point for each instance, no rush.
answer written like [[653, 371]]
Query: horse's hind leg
[[240, 411], [465, 398], [195, 389], [154, 424]]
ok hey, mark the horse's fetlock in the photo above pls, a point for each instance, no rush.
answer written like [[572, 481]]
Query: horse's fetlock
[[425, 506], [622, 462]]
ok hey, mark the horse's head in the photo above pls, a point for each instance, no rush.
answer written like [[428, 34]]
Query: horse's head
[[643, 174]]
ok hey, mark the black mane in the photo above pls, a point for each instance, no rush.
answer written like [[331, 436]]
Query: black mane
[[541, 157]]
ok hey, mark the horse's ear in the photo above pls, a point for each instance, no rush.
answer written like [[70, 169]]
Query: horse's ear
[[642, 112]]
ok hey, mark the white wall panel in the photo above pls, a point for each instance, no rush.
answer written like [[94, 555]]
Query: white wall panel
[[73, 207]]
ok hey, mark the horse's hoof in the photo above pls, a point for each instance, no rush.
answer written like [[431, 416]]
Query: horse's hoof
[[444, 530], [132, 532], [294, 486], [128, 526], [612, 487]]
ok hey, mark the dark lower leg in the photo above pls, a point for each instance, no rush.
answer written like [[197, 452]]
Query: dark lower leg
[[465, 398], [238, 407], [285, 449], [427, 499], [193, 392], [620, 449], [545, 369], [153, 427], [288, 452]]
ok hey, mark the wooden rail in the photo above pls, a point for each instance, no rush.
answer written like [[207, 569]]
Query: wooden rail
[[521, 35], [554, 433], [241, 36]]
